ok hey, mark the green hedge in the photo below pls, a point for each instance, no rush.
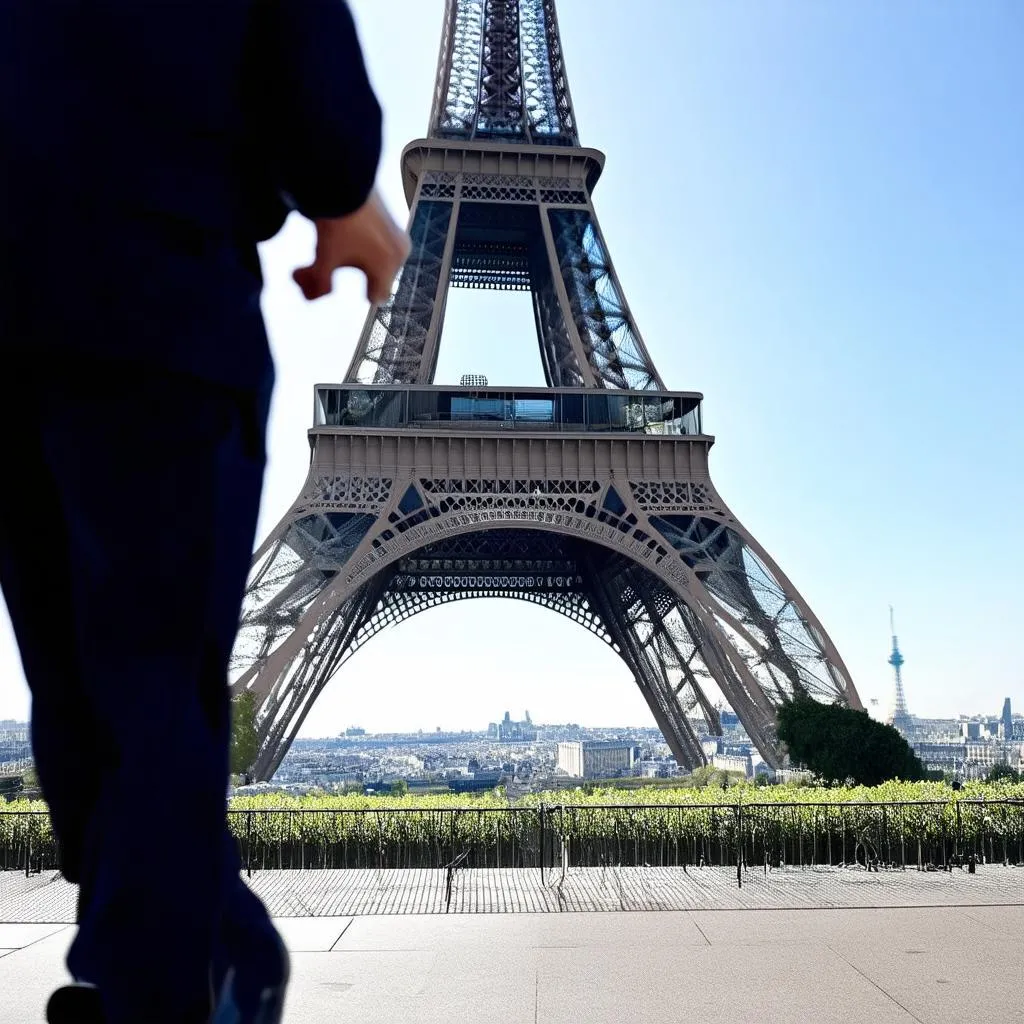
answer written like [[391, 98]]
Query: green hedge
[[653, 825]]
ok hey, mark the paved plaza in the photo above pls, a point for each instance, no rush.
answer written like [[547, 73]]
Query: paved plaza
[[811, 946]]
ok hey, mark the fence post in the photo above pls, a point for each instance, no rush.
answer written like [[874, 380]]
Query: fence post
[[542, 843], [28, 853], [885, 832], [565, 845], [739, 843], [248, 843], [957, 835]]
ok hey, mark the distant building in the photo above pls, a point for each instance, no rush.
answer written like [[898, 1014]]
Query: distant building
[[596, 759], [711, 745], [1007, 720], [15, 742], [734, 763], [970, 730], [478, 781], [354, 731], [570, 758], [987, 755], [969, 758], [517, 732], [943, 757]]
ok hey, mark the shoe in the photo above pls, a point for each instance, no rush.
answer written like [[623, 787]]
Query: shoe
[[242, 1002], [76, 1004], [80, 1003]]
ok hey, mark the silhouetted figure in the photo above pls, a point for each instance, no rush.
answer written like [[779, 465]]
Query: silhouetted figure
[[147, 148]]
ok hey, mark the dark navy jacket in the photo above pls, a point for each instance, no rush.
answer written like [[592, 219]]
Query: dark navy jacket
[[145, 147]]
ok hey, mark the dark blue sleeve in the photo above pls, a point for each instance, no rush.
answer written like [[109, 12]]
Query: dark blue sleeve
[[324, 118]]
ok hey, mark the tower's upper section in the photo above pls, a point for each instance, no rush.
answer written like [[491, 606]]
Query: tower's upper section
[[501, 75]]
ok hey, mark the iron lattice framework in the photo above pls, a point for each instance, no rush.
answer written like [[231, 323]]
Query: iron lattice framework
[[590, 497]]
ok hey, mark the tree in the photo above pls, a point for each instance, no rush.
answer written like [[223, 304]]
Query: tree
[[709, 776], [245, 740], [399, 788], [838, 743], [1002, 772], [10, 786]]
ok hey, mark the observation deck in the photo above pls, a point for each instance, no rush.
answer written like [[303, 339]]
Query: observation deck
[[347, 408]]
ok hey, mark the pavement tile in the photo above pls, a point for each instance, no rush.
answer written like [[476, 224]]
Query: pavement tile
[[354, 985], [914, 927], [28, 976], [967, 981], [481, 985], [513, 931], [716, 985], [1006, 921], [311, 934], [16, 936]]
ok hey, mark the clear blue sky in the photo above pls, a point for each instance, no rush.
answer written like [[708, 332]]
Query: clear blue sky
[[817, 212]]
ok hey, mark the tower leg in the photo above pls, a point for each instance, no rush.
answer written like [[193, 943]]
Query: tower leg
[[649, 673]]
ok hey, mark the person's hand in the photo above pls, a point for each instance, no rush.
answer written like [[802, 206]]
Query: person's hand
[[368, 240]]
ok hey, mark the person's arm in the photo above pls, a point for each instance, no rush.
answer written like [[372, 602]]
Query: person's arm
[[326, 118], [326, 140]]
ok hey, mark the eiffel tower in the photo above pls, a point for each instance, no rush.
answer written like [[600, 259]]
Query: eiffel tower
[[590, 497]]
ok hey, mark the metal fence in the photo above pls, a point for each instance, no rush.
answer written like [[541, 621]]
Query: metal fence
[[875, 836], [27, 842]]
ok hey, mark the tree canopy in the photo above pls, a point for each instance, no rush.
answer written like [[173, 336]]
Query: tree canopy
[[1002, 772], [838, 743], [245, 741]]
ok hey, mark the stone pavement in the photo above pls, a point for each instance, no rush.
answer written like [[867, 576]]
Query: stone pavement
[[848, 965]]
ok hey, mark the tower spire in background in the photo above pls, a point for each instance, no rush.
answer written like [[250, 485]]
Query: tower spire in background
[[900, 716]]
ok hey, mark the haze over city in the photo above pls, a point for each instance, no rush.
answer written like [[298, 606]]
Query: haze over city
[[817, 225]]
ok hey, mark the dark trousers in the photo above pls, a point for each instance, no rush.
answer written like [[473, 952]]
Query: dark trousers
[[126, 532]]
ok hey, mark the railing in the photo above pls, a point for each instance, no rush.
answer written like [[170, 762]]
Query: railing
[[389, 838], [441, 421], [27, 842], [875, 836]]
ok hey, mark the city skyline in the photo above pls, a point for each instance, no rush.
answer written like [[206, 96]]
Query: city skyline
[[848, 214], [473, 724]]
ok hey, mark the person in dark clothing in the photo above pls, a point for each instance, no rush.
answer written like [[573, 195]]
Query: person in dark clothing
[[148, 147]]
